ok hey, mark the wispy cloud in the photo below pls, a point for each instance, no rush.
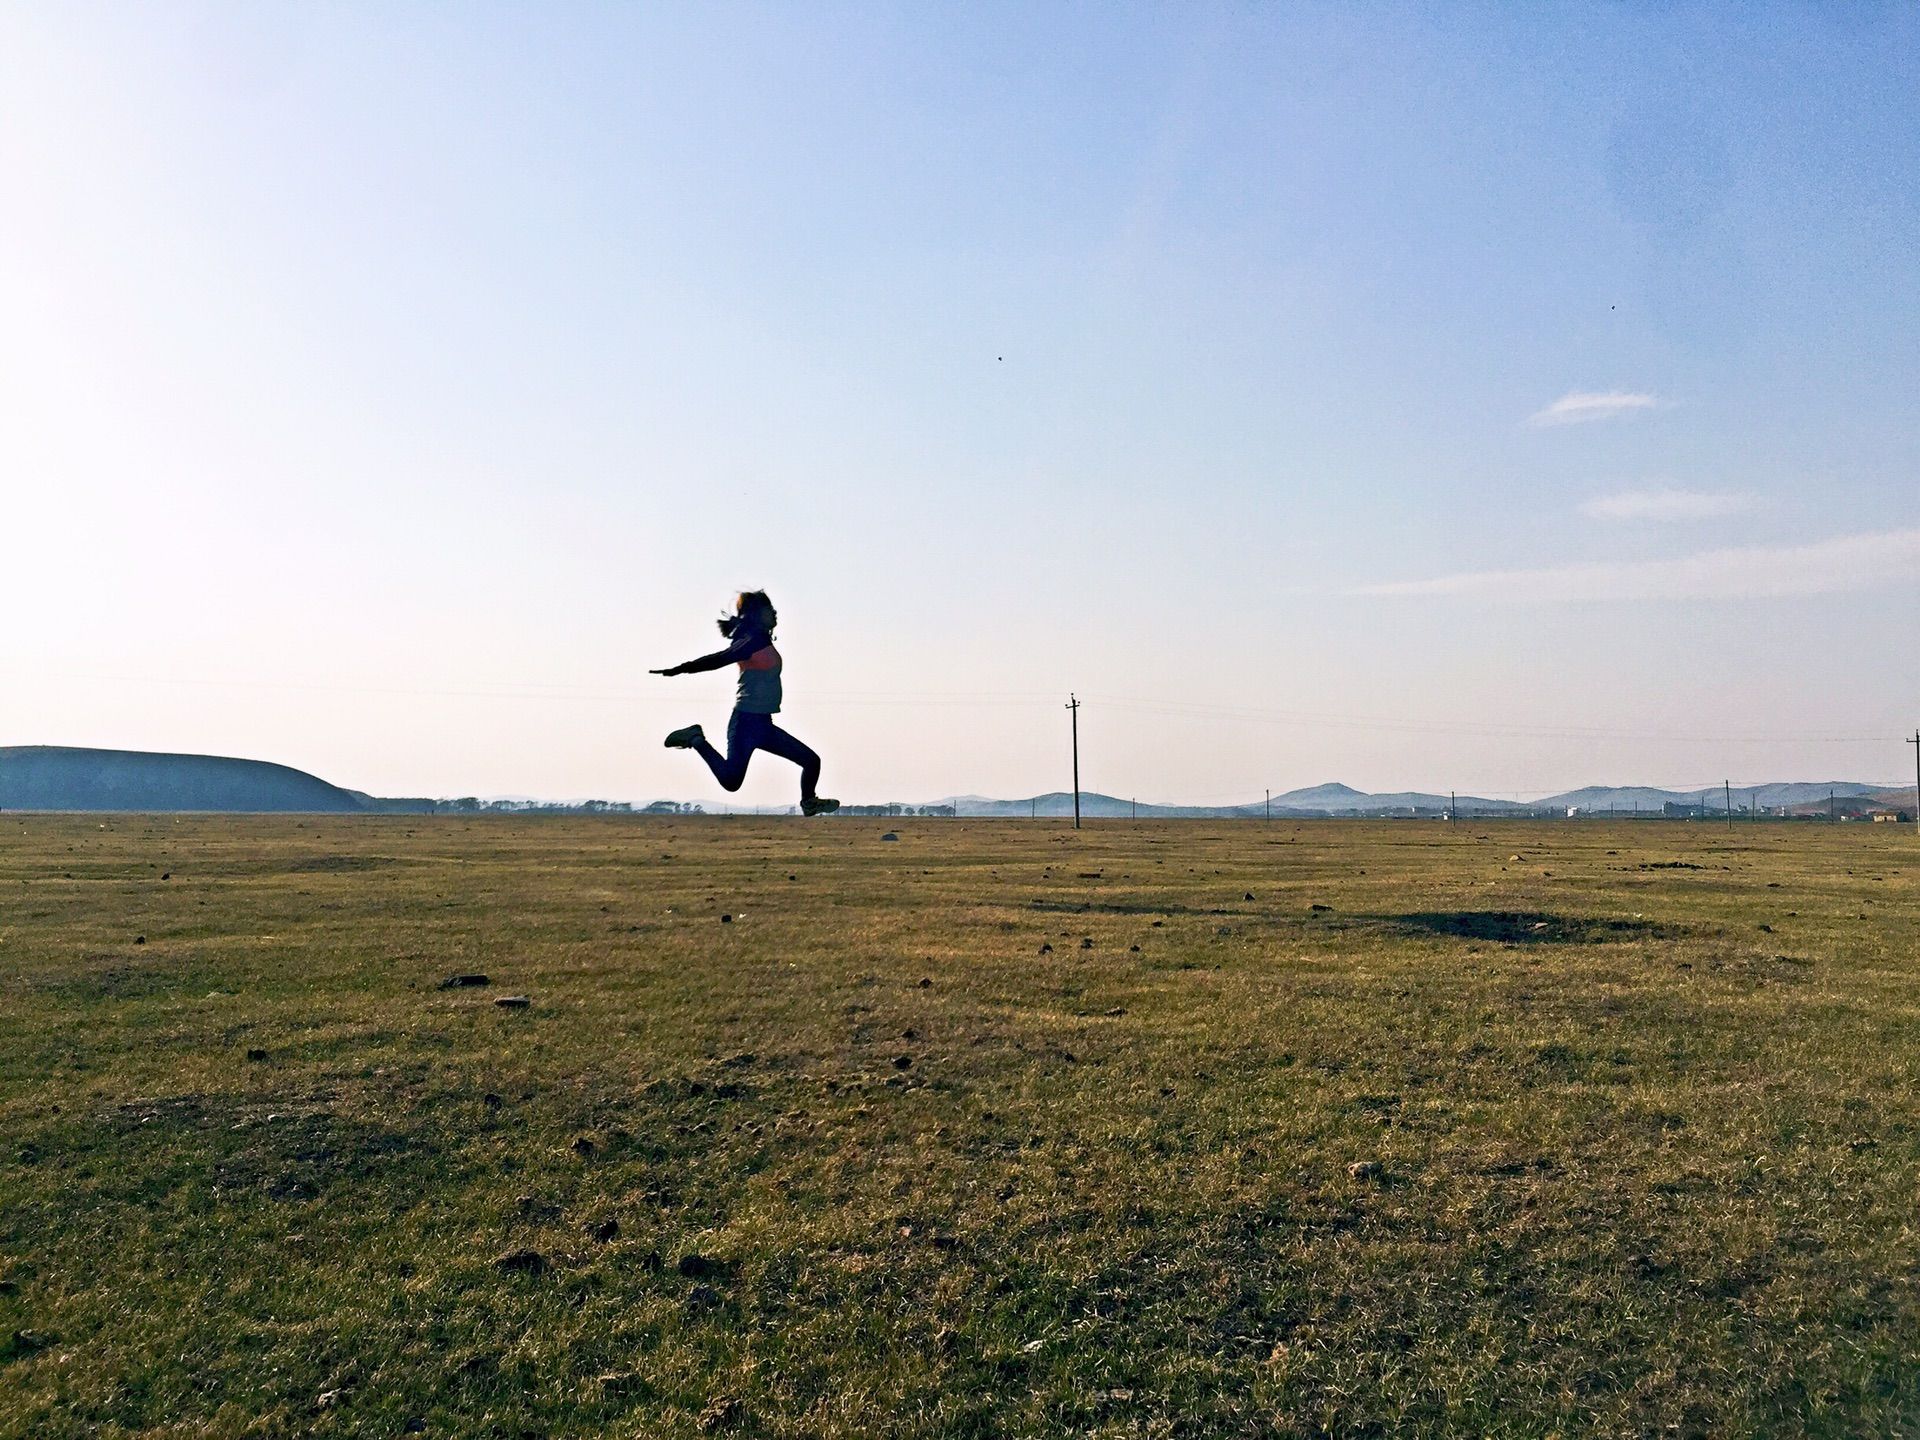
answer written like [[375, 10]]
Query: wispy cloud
[[1667, 505], [1577, 406], [1847, 562]]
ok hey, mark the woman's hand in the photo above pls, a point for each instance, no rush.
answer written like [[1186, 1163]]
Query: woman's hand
[[670, 670]]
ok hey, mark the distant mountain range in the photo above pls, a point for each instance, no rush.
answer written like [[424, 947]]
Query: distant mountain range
[[54, 777], [1322, 801]]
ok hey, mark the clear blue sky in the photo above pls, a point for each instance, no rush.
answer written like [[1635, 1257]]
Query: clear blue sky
[[1497, 397]]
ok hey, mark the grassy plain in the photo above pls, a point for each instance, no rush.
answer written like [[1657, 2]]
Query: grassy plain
[[1567, 1129]]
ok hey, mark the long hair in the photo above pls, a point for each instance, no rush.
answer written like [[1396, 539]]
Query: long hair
[[752, 610]]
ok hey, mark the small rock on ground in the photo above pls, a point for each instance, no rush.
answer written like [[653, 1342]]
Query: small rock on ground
[[26, 1342]]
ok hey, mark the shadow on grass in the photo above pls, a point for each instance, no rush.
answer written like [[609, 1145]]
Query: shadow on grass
[[1520, 927]]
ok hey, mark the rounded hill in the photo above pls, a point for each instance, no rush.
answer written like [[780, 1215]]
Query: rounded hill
[[59, 777]]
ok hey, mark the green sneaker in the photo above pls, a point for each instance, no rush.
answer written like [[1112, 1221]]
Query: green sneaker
[[814, 805], [686, 738]]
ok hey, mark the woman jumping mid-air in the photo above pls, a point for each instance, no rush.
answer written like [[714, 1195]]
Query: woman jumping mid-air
[[749, 631]]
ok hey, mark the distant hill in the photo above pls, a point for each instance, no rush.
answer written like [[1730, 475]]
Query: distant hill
[[1627, 798], [1805, 792], [1334, 799], [1314, 803], [1060, 802], [1856, 802], [1331, 796], [1624, 799], [1337, 799], [58, 777]]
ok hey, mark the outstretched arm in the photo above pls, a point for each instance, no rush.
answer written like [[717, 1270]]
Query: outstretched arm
[[740, 649]]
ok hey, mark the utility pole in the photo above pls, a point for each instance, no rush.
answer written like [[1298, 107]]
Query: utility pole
[[1073, 707], [1915, 742], [1453, 808], [1729, 788], [1136, 807], [1269, 804]]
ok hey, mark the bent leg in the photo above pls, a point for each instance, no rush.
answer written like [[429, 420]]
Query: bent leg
[[744, 736], [778, 742]]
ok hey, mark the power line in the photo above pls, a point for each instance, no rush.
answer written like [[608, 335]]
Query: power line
[[563, 691], [1471, 727]]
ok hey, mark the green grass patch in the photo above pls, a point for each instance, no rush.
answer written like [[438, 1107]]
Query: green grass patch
[[996, 1130]]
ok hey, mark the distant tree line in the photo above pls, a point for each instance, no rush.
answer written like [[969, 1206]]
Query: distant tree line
[[1842, 808], [472, 805]]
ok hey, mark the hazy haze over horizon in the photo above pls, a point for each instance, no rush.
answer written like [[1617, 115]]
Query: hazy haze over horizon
[[1507, 404]]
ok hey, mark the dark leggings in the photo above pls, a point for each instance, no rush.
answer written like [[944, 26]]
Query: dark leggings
[[746, 733]]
